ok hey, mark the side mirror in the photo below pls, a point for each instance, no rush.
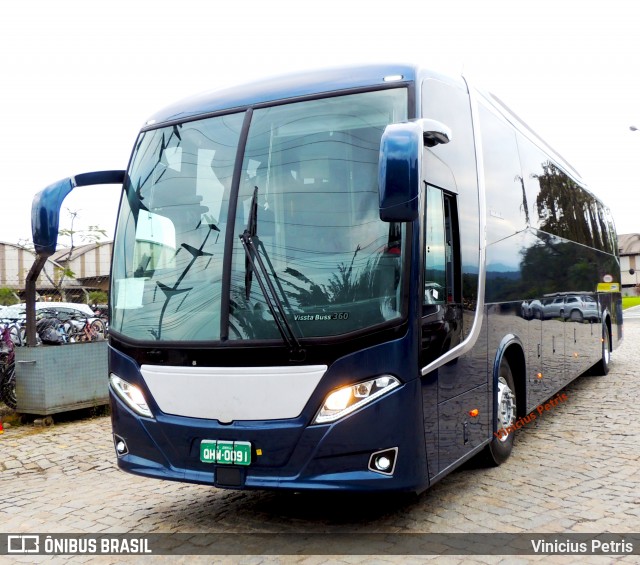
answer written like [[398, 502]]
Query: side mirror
[[45, 209], [400, 166], [435, 132], [45, 221]]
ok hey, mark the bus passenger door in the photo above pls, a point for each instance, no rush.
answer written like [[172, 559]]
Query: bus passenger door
[[454, 390], [441, 311]]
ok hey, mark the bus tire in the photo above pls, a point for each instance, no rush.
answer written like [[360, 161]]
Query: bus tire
[[601, 368], [501, 445]]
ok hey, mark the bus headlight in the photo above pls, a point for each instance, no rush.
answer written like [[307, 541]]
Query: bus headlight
[[131, 395], [347, 399]]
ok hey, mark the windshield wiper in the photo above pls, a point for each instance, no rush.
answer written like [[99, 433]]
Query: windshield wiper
[[255, 264]]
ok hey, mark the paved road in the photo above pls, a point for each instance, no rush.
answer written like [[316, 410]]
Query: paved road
[[573, 470], [632, 313]]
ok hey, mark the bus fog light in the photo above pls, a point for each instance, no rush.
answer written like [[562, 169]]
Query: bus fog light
[[347, 399], [121, 446], [384, 462]]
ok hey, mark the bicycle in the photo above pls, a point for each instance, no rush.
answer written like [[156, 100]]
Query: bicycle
[[7, 368], [103, 316], [82, 329], [17, 328], [50, 329]]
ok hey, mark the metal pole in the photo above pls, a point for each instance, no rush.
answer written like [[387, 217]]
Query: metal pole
[[30, 291]]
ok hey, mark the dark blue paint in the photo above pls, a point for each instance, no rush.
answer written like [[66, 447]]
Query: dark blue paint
[[399, 172], [296, 455], [45, 209], [284, 88]]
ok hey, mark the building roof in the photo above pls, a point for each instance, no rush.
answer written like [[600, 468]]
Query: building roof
[[629, 243], [62, 254]]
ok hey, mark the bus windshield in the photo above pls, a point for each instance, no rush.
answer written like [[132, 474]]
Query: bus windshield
[[306, 200]]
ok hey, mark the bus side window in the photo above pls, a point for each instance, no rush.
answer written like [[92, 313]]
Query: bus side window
[[508, 208], [452, 166], [439, 253]]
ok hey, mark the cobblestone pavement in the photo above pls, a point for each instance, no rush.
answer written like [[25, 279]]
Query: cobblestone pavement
[[573, 470]]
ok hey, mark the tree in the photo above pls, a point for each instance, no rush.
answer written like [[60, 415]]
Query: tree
[[98, 297], [92, 234], [71, 237], [8, 297]]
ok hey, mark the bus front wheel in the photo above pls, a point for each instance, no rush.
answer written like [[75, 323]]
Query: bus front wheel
[[499, 449]]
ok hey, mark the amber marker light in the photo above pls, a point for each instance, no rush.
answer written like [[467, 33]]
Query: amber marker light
[[539, 375], [473, 413]]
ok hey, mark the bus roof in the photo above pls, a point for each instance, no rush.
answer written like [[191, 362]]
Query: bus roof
[[310, 83], [282, 88]]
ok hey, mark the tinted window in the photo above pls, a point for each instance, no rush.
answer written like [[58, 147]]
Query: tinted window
[[453, 167], [437, 249], [532, 160], [558, 205], [507, 202]]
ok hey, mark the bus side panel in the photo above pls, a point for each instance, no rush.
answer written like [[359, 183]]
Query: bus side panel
[[452, 428], [612, 302], [541, 289]]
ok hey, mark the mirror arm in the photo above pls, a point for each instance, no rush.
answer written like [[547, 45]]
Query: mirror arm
[[45, 209], [45, 222]]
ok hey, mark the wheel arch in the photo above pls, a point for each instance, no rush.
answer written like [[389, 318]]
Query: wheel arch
[[606, 320], [512, 349]]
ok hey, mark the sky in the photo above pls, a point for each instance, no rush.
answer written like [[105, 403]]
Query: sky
[[78, 78]]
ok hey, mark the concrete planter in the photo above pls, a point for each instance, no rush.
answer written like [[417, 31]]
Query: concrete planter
[[53, 379]]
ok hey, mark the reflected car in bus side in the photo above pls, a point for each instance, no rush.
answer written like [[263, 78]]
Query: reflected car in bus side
[[531, 309], [573, 307]]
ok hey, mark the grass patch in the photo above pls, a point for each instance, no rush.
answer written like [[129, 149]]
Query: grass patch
[[629, 301]]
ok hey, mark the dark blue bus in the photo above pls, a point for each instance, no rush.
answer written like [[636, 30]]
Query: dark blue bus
[[352, 279]]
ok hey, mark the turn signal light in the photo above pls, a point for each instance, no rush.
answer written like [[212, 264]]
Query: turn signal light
[[473, 413]]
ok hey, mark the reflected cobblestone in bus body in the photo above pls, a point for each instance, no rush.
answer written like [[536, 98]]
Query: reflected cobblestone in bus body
[[574, 469]]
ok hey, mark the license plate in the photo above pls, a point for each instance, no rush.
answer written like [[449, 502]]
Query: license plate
[[225, 452]]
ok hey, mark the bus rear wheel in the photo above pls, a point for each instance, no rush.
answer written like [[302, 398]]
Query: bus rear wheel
[[601, 368], [501, 445]]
